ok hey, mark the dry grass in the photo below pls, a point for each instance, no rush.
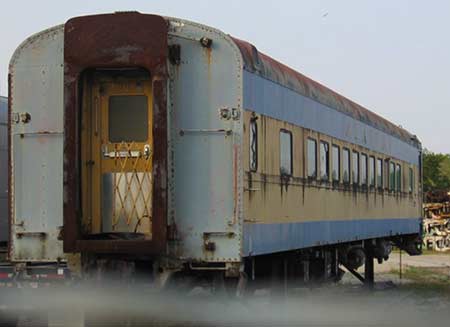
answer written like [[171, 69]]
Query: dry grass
[[426, 281]]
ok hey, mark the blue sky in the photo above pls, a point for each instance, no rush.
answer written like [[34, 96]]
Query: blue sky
[[392, 57]]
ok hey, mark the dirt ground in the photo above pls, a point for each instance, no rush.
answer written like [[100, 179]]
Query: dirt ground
[[428, 259], [401, 266]]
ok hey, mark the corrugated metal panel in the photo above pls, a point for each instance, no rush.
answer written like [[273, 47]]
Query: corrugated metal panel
[[265, 66], [3, 170]]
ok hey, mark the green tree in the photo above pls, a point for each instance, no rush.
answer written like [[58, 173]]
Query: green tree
[[436, 171]]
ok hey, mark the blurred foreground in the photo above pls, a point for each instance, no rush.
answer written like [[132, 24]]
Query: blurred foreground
[[408, 303]]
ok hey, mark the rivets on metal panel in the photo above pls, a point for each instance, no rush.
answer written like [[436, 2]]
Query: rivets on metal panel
[[235, 114], [229, 113], [225, 113]]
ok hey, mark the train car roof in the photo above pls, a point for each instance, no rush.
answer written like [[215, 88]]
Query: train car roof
[[267, 67]]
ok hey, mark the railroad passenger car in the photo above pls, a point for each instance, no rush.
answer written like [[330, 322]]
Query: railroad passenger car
[[3, 172], [143, 143]]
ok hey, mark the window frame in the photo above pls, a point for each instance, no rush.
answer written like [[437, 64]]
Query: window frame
[[355, 172], [315, 175], [291, 168], [338, 179], [371, 172], [411, 180], [379, 173], [392, 178], [364, 172], [399, 177], [349, 166], [325, 144], [253, 135]]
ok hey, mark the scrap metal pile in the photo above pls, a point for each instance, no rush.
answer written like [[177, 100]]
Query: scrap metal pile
[[436, 226]]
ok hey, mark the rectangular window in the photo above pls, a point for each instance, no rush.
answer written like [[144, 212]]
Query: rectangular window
[[128, 118], [398, 174], [336, 162], [324, 161], [411, 180], [380, 173], [355, 168], [372, 171], [391, 176], [253, 145], [285, 152], [312, 158], [346, 166], [363, 169]]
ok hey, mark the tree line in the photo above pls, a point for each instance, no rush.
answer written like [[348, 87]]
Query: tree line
[[436, 171]]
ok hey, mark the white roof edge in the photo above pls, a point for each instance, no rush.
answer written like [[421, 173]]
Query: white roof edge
[[30, 40]]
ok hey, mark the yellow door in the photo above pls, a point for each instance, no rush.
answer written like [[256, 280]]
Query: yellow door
[[117, 152]]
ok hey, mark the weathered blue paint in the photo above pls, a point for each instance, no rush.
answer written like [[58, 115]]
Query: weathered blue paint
[[276, 101], [269, 238]]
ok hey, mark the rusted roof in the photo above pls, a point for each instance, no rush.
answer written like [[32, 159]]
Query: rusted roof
[[267, 67]]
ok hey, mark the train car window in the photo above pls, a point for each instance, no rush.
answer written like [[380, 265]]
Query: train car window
[[335, 161], [285, 152], [324, 161], [372, 171], [411, 180], [346, 166], [380, 174], [391, 176], [312, 158], [253, 145], [128, 118], [363, 169], [355, 167], [398, 174]]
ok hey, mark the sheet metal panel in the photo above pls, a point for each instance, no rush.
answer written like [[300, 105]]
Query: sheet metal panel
[[269, 238], [274, 100], [36, 71], [4, 234], [206, 173]]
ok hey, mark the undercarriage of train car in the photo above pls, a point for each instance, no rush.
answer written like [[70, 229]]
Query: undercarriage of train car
[[325, 263]]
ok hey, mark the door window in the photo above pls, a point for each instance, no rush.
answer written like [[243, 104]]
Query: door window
[[128, 118]]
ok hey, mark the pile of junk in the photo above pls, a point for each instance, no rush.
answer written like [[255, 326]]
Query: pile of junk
[[436, 226]]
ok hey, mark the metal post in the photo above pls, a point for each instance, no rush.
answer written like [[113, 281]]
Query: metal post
[[369, 275], [400, 263], [336, 264], [305, 264], [285, 277]]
